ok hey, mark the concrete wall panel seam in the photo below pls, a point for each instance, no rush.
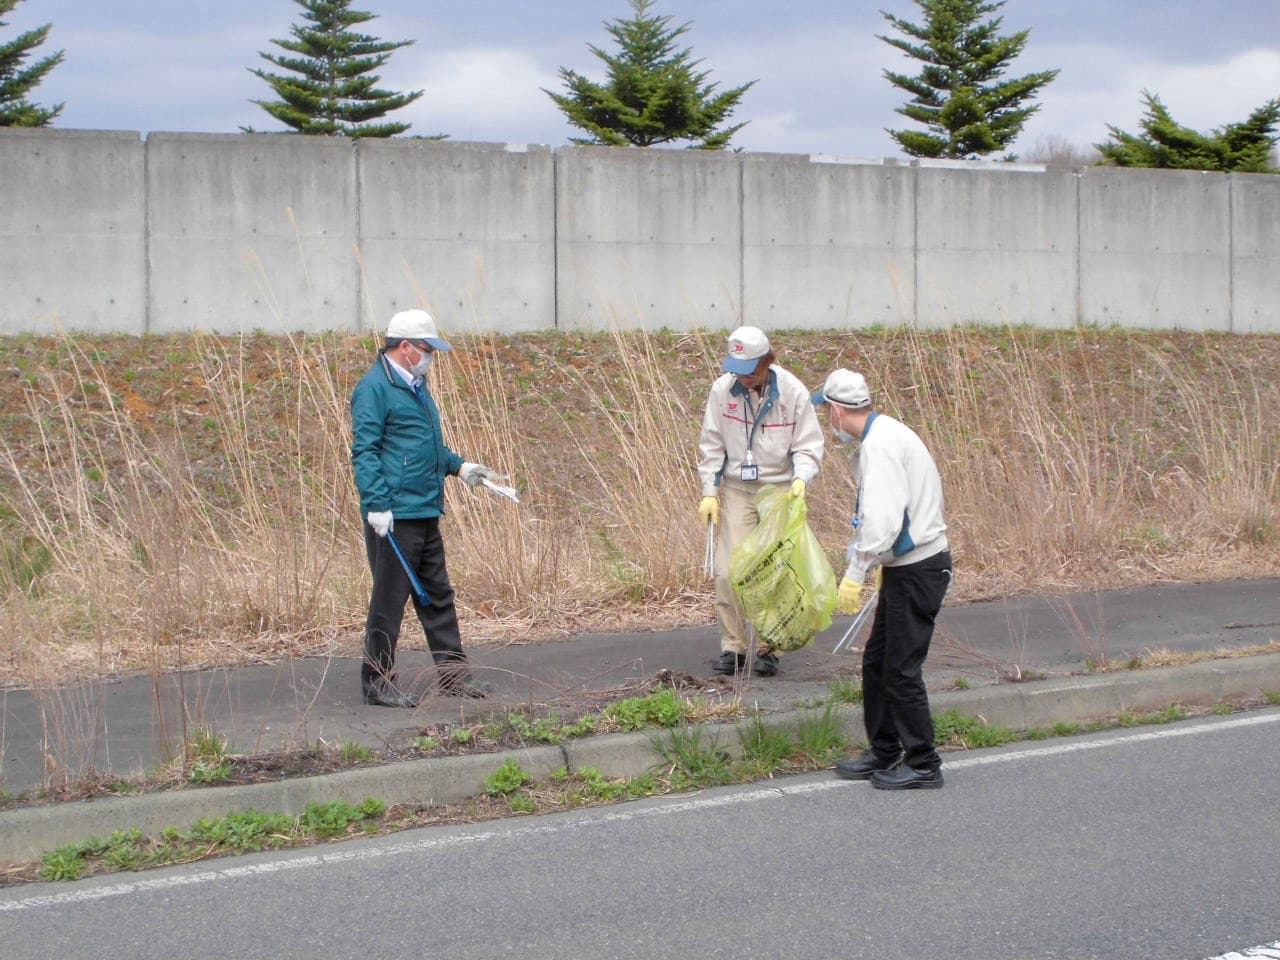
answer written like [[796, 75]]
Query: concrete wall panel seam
[[742, 243], [1079, 318], [364, 318], [146, 236], [915, 246], [1231, 254], [555, 239]]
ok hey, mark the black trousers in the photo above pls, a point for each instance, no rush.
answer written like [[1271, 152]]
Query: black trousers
[[895, 703], [423, 546]]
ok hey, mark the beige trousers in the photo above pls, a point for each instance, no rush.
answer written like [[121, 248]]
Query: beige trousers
[[738, 518]]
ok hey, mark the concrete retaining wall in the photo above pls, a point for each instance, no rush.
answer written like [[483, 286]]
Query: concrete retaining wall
[[827, 244], [996, 246], [1255, 253], [250, 232], [1155, 249], [465, 229], [647, 239], [103, 231], [72, 231]]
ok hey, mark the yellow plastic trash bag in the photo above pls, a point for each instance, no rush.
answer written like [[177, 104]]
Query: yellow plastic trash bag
[[781, 575]]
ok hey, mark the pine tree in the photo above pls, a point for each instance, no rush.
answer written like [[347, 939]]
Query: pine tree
[[1238, 147], [16, 82], [334, 92], [654, 94], [967, 109]]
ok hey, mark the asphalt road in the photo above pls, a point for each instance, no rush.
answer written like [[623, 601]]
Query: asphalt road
[[1160, 842]]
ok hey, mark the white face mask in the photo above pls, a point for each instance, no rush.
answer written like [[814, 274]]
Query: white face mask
[[423, 366], [842, 436]]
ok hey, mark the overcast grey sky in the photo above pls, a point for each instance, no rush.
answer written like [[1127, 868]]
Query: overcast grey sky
[[182, 65]]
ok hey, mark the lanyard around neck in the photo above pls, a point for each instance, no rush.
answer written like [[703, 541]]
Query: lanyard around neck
[[766, 404]]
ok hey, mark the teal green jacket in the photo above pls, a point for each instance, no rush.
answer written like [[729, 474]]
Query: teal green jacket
[[397, 447]]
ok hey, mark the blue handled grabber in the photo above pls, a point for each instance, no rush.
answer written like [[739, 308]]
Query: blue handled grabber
[[418, 590]]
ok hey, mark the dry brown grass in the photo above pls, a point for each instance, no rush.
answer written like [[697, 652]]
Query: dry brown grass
[[188, 500], [1164, 657]]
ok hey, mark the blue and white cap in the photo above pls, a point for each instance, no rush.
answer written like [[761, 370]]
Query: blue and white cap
[[746, 346], [416, 325]]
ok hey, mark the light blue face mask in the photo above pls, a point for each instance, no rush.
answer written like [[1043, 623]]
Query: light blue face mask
[[842, 436]]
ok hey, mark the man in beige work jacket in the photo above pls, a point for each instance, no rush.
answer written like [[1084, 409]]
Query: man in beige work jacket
[[759, 430]]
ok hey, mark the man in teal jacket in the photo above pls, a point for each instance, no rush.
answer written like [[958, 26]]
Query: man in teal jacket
[[401, 461]]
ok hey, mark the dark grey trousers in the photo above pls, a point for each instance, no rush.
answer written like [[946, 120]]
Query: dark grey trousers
[[422, 544]]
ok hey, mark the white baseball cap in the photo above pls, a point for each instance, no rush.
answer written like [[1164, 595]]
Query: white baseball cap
[[416, 325], [845, 388], [746, 346]]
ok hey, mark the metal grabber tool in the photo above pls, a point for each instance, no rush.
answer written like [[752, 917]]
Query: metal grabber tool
[[509, 492], [867, 609]]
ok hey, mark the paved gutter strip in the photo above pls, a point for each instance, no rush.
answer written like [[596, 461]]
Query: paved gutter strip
[[28, 832]]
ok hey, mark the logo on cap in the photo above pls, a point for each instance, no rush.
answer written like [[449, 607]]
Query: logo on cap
[[737, 348]]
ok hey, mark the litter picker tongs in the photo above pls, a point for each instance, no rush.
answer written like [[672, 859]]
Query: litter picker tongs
[[867, 609], [509, 492]]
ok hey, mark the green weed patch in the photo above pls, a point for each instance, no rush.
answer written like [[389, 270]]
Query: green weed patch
[[246, 831]]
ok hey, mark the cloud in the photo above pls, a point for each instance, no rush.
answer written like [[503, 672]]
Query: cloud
[[1081, 102], [478, 93], [125, 79], [820, 89]]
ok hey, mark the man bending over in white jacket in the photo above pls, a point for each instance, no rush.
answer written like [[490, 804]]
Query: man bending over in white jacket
[[898, 527]]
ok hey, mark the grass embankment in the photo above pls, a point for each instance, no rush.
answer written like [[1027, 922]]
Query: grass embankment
[[188, 500]]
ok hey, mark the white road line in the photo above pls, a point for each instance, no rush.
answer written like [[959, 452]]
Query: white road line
[[1162, 733], [754, 794], [1269, 951]]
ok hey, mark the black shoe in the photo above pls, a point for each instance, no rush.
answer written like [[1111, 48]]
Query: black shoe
[[908, 778], [383, 694], [766, 664], [861, 768], [465, 687], [729, 662]]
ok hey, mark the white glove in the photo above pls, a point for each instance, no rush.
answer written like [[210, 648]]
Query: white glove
[[381, 522], [473, 473]]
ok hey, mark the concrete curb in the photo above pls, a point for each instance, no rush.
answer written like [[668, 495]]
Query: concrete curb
[[28, 832]]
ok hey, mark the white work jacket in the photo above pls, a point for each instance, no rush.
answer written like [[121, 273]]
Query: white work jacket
[[778, 427], [898, 517]]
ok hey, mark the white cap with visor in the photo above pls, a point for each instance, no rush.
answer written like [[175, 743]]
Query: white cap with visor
[[746, 346], [844, 388], [416, 325]]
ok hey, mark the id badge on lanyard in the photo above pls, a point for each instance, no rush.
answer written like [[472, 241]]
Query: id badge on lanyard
[[749, 472]]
